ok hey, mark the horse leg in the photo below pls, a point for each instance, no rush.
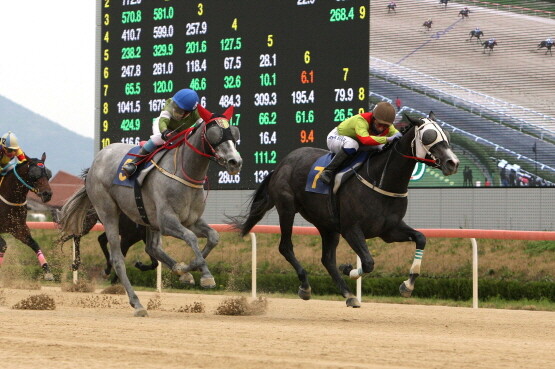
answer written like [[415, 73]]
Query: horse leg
[[202, 229], [172, 227], [355, 239], [329, 247], [24, 235], [404, 233], [77, 261], [110, 218], [286, 219], [3, 248]]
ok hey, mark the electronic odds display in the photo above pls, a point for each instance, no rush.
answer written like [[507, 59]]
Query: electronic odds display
[[293, 69]]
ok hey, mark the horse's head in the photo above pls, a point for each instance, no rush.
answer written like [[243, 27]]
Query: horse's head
[[432, 142], [34, 175], [222, 138]]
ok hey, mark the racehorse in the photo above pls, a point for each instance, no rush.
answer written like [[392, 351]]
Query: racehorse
[[476, 34], [371, 203], [15, 184], [489, 44], [428, 25], [172, 197], [130, 234], [391, 6], [464, 13], [443, 2], [547, 45]]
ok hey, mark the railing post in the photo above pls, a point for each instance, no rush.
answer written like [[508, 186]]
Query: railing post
[[159, 277], [75, 272], [474, 273], [359, 281], [253, 263]]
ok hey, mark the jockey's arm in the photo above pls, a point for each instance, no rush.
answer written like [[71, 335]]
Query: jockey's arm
[[20, 155]]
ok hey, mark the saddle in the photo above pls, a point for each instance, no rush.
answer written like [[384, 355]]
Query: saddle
[[313, 184]]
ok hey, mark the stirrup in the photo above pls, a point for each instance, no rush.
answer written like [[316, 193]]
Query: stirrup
[[128, 170]]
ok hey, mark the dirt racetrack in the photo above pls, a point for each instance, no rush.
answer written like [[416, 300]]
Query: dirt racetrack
[[90, 330]]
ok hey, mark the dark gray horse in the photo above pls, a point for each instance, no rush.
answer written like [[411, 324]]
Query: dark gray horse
[[547, 44], [475, 33], [489, 45], [172, 195], [370, 204]]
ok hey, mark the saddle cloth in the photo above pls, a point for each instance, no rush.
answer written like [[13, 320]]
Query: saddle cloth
[[143, 169], [313, 183]]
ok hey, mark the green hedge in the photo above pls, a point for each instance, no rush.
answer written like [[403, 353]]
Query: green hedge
[[441, 288]]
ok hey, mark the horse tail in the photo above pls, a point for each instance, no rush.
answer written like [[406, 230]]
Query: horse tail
[[260, 204], [74, 212]]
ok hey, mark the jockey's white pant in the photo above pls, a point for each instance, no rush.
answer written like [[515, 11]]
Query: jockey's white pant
[[336, 142], [156, 134]]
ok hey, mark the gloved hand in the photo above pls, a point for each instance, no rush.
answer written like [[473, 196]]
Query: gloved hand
[[394, 137], [166, 134]]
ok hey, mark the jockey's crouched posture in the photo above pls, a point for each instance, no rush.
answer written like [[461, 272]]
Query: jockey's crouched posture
[[9, 149], [368, 129], [179, 113]]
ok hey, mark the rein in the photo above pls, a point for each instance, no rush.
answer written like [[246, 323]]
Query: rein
[[33, 189]]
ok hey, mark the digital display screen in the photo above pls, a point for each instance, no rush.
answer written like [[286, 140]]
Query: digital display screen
[[293, 69]]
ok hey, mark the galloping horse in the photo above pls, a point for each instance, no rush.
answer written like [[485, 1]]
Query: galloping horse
[[476, 34], [427, 25], [15, 184], [391, 6], [371, 203], [130, 234], [443, 3], [547, 45], [172, 197], [489, 44], [464, 13]]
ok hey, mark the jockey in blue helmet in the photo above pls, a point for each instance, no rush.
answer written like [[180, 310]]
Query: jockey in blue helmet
[[179, 113]]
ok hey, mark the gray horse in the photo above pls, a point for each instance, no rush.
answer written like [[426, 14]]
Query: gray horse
[[172, 193]]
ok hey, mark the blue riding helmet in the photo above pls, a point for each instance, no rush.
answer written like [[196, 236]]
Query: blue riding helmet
[[186, 99]]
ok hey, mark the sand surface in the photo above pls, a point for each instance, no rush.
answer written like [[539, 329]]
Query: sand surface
[[90, 330]]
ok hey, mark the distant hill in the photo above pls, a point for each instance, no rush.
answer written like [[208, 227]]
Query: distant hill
[[65, 150]]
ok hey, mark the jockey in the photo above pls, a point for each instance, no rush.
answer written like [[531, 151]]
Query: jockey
[[9, 149], [372, 130], [179, 113], [549, 41], [477, 30]]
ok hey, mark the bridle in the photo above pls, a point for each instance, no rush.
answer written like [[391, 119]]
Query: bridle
[[44, 173], [424, 139]]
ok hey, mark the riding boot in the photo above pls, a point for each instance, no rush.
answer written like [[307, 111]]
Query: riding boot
[[329, 172], [131, 167]]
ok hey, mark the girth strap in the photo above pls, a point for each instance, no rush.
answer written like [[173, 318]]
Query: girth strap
[[139, 202], [379, 190]]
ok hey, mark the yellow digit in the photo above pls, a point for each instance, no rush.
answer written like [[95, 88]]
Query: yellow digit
[[105, 108], [362, 12], [107, 37], [105, 142], [319, 170], [106, 55], [307, 57], [270, 41], [345, 72], [361, 93], [105, 126], [106, 3], [106, 72], [234, 24], [105, 90], [106, 19], [361, 110], [200, 8]]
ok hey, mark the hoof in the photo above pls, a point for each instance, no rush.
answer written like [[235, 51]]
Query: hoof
[[404, 290], [352, 302], [207, 282], [305, 294], [74, 267], [141, 313], [48, 277], [345, 269], [187, 279]]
